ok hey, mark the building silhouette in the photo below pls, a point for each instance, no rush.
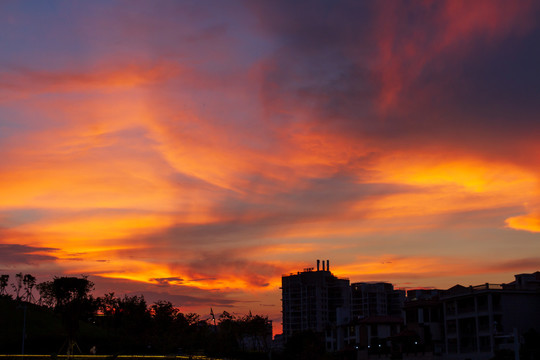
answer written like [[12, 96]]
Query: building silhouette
[[424, 320], [372, 319], [478, 320], [313, 299], [376, 299]]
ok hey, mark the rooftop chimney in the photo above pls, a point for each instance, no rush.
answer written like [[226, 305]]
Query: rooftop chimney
[[328, 265], [318, 263], [323, 265]]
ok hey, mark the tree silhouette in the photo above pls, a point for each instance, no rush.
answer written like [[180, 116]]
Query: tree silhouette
[[17, 285], [45, 294], [4, 279], [133, 321], [192, 318], [228, 334], [256, 332], [124, 325], [167, 324], [29, 282], [127, 321], [69, 295], [108, 304]]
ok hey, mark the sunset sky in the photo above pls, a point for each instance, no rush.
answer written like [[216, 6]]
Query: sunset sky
[[195, 151]]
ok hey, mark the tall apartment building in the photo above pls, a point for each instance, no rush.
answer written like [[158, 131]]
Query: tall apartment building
[[313, 299], [376, 299]]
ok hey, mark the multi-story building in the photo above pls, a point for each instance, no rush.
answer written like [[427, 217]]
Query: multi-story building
[[424, 318], [459, 323], [478, 320], [313, 300], [376, 299], [372, 332]]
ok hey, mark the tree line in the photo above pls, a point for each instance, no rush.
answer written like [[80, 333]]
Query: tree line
[[111, 324]]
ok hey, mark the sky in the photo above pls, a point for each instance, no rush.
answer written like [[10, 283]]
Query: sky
[[196, 151]]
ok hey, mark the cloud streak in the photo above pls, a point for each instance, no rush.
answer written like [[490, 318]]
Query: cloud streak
[[16, 254]]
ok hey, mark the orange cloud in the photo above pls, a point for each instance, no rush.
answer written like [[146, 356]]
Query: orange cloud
[[25, 82], [228, 279], [99, 230], [530, 222], [459, 184], [442, 270]]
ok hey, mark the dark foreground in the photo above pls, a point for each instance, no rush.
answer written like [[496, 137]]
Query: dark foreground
[[103, 357]]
